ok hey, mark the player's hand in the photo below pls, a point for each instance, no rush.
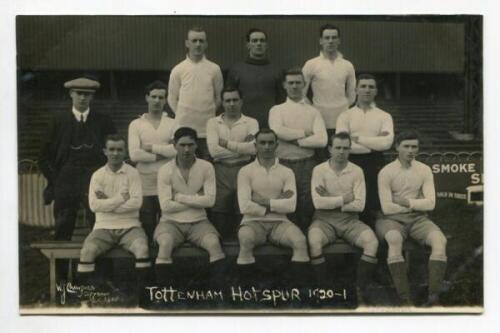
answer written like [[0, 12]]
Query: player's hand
[[257, 198], [402, 202], [147, 147], [286, 195], [249, 138], [100, 195], [222, 143], [125, 196], [355, 139], [294, 142], [308, 132], [347, 198], [384, 133], [322, 191], [160, 157]]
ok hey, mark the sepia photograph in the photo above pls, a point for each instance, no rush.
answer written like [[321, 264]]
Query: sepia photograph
[[250, 164]]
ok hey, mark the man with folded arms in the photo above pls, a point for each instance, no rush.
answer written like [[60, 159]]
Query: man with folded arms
[[300, 129], [338, 193], [407, 193], [230, 140], [372, 133], [266, 193], [150, 144], [186, 186], [115, 196]]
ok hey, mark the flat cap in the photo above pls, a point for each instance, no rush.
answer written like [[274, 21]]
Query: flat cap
[[82, 84]]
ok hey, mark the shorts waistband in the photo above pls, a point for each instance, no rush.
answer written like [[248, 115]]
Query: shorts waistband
[[298, 160]]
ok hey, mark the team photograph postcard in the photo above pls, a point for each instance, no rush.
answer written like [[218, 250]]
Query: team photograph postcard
[[269, 164]]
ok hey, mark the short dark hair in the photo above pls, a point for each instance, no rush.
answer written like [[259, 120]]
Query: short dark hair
[[294, 71], [366, 76], [251, 31], [341, 136], [160, 85], [266, 130], [195, 28], [410, 134], [115, 138], [185, 131], [230, 89], [328, 26]]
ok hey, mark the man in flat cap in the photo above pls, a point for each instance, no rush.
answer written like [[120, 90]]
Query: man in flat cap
[[72, 150]]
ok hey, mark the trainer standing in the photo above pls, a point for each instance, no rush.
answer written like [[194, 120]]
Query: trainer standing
[[194, 88]]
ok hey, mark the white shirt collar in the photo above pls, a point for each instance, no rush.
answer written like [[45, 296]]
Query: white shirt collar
[[79, 114], [121, 170], [276, 162], [220, 118], [302, 101]]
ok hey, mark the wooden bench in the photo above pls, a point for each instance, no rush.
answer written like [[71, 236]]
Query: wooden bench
[[55, 250]]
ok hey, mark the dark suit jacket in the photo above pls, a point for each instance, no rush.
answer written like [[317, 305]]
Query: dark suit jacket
[[55, 147]]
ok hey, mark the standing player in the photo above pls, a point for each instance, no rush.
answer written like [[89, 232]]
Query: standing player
[[194, 88], [332, 80], [338, 192], [258, 79], [150, 146], [266, 192], [115, 195], [300, 129], [230, 140], [372, 132], [406, 189], [186, 186]]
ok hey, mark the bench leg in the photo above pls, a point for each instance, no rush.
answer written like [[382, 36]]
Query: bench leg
[[52, 266]]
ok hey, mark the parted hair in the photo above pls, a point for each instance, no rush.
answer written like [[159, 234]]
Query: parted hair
[[160, 85], [230, 89], [328, 26], [251, 31], [185, 131], [341, 136], [265, 130], [115, 138], [410, 134]]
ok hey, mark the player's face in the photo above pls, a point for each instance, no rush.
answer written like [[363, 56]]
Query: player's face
[[257, 45], [196, 43], [407, 150], [81, 99], [231, 102], [186, 148], [340, 150], [366, 90], [115, 152], [294, 86], [156, 100], [329, 40], [266, 145]]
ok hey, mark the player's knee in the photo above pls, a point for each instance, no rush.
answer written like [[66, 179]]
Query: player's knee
[[437, 241], [298, 241], [369, 243], [315, 240], [246, 237], [140, 248], [89, 252], [165, 240], [211, 241], [394, 238]]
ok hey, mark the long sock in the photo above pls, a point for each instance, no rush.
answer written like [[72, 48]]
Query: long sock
[[247, 275], [299, 274], [364, 275], [437, 269], [321, 274], [164, 274], [400, 280], [218, 271]]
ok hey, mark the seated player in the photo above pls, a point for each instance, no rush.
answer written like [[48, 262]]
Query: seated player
[[186, 186], [406, 190], [115, 196], [230, 140], [266, 193], [338, 194]]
